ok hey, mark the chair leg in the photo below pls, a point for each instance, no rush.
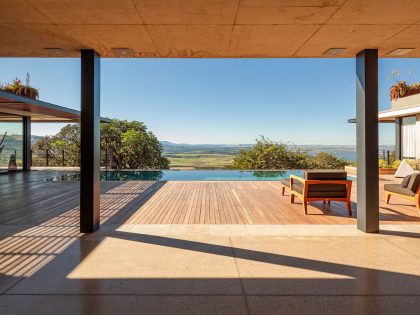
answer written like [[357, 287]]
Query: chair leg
[[349, 208], [387, 197], [292, 198], [305, 205], [329, 201], [282, 190]]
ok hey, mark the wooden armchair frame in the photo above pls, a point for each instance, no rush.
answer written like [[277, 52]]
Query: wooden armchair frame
[[415, 198], [307, 182]]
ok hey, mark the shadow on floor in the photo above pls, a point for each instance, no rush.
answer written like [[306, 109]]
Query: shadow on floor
[[39, 262], [75, 272]]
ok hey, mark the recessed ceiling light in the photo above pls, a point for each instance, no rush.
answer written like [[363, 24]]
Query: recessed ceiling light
[[334, 51], [400, 51], [123, 52], [55, 52]]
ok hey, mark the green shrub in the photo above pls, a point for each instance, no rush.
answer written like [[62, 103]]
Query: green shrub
[[383, 163], [266, 154], [396, 164], [325, 160]]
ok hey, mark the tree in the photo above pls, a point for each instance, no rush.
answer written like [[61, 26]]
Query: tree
[[132, 146], [68, 139], [266, 154], [325, 160], [129, 144]]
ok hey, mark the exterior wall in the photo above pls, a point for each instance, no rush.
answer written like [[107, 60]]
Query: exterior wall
[[404, 102]]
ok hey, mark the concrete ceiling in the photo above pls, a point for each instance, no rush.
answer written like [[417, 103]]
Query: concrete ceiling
[[209, 28]]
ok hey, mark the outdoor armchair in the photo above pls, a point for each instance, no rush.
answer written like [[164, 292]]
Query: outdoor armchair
[[325, 185], [408, 189]]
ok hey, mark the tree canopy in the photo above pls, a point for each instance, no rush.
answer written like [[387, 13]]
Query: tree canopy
[[128, 145], [132, 146], [266, 154]]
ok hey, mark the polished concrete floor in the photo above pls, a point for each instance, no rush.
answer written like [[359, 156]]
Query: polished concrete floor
[[209, 269]]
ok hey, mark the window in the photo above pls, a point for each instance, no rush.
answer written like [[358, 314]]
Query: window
[[11, 142]]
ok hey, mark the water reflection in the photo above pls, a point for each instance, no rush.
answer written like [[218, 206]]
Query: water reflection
[[185, 175], [131, 175], [271, 174], [112, 176]]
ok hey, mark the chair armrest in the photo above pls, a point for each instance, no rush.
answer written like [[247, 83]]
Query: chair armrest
[[297, 178]]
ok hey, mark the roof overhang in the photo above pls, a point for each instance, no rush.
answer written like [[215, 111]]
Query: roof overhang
[[388, 116], [209, 29], [41, 112]]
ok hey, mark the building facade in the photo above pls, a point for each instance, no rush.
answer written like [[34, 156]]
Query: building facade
[[405, 113]]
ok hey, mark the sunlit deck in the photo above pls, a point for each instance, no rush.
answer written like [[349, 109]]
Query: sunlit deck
[[183, 202]]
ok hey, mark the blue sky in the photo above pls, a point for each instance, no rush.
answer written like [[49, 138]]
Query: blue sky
[[303, 101]]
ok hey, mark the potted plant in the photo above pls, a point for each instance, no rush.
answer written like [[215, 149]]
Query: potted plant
[[16, 87], [402, 88]]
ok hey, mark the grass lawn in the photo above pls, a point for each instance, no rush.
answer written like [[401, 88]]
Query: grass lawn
[[198, 160]]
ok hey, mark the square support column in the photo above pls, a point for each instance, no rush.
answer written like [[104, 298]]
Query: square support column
[[90, 141], [367, 141], [27, 155], [398, 124]]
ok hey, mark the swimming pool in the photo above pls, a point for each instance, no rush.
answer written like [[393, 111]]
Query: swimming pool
[[185, 175]]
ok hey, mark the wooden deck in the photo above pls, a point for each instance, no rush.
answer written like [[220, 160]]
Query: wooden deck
[[251, 203], [27, 199]]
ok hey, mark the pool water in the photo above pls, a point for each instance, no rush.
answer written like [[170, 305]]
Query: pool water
[[186, 175]]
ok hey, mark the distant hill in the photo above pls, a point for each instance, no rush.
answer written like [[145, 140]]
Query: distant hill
[[14, 142], [347, 152], [177, 148], [34, 138], [171, 149]]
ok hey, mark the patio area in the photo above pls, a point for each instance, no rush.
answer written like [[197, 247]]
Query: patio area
[[200, 247]]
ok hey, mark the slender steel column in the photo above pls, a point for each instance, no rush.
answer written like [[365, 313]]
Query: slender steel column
[[367, 141], [398, 152], [90, 133], [27, 156]]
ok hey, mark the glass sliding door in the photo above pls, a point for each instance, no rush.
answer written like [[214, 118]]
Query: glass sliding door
[[11, 142]]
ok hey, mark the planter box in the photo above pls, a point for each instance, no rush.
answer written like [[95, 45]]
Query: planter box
[[352, 170], [388, 171], [407, 101]]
